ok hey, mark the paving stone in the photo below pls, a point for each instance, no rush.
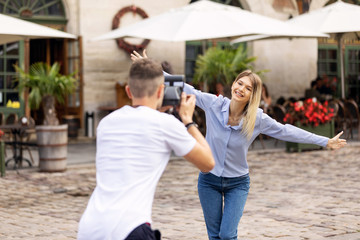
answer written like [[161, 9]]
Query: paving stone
[[309, 195]]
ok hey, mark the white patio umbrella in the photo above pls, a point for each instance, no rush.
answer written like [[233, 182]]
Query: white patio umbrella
[[337, 19], [206, 20], [13, 29]]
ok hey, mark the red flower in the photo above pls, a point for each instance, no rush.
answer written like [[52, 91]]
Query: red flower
[[309, 112]]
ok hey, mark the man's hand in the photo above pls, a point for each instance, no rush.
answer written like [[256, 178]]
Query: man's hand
[[187, 106], [136, 56], [336, 142]]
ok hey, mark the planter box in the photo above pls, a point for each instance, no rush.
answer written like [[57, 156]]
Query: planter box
[[326, 130]]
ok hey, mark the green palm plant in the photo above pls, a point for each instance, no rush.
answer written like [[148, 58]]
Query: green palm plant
[[46, 85], [222, 65]]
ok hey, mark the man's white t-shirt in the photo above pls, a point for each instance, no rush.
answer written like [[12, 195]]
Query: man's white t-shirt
[[133, 148]]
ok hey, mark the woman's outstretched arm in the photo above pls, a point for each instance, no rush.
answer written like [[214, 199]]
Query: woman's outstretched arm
[[290, 133]]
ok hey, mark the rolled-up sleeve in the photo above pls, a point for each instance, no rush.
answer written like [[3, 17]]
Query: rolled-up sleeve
[[289, 133], [203, 100]]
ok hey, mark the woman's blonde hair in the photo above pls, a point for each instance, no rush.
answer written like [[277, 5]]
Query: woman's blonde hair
[[250, 110]]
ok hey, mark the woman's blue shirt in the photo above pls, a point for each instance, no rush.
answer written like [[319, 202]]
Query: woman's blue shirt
[[229, 145]]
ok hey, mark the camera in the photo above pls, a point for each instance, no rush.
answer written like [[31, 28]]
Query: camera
[[174, 85]]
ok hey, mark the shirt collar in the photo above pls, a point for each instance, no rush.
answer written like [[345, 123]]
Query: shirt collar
[[225, 112]]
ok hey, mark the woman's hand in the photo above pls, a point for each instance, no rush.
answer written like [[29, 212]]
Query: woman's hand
[[136, 56], [336, 142]]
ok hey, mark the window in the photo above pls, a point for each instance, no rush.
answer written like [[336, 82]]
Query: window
[[329, 67], [34, 10], [193, 49], [357, 2], [9, 56], [352, 72], [235, 3], [327, 61]]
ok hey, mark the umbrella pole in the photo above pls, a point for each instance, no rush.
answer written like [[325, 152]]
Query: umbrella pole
[[341, 66], [26, 69]]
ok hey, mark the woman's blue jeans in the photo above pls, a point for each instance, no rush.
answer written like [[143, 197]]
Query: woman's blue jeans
[[222, 200]]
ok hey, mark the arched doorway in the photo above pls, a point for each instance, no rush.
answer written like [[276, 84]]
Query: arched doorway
[[50, 13]]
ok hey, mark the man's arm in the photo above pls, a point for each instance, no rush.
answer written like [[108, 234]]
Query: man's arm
[[200, 155]]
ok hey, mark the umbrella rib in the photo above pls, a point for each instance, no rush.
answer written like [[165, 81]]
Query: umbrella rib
[[12, 8], [34, 4], [17, 4], [45, 6]]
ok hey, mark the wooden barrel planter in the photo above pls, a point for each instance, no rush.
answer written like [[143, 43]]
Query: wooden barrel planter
[[52, 143]]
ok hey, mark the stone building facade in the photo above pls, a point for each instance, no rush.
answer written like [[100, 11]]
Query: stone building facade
[[292, 63]]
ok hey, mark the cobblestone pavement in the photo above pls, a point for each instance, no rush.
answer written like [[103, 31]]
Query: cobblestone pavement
[[310, 195]]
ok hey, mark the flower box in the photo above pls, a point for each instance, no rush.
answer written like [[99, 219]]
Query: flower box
[[326, 130]]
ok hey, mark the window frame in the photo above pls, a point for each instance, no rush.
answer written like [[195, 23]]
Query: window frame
[[353, 88], [27, 11], [4, 91]]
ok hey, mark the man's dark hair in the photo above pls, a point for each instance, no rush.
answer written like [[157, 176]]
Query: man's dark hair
[[167, 67], [145, 77], [313, 83]]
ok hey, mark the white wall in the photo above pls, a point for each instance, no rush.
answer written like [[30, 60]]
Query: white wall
[[292, 64]]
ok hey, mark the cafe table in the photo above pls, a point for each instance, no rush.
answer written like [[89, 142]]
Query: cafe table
[[18, 131]]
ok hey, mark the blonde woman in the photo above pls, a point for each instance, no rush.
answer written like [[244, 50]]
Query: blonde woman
[[231, 127]]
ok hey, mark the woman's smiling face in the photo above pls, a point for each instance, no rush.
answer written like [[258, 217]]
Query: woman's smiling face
[[241, 89]]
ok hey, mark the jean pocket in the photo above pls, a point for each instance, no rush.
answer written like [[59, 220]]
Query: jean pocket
[[204, 173]]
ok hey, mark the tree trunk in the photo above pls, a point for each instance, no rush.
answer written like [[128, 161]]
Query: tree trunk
[[49, 111]]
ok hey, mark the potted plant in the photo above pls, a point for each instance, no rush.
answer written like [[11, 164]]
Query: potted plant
[[219, 65], [46, 86], [311, 116]]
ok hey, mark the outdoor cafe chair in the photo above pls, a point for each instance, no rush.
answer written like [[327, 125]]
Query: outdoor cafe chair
[[341, 118], [12, 118], [26, 137], [353, 117], [278, 113], [334, 106], [2, 118], [19, 139]]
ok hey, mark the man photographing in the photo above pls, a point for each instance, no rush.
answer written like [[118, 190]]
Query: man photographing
[[134, 144]]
